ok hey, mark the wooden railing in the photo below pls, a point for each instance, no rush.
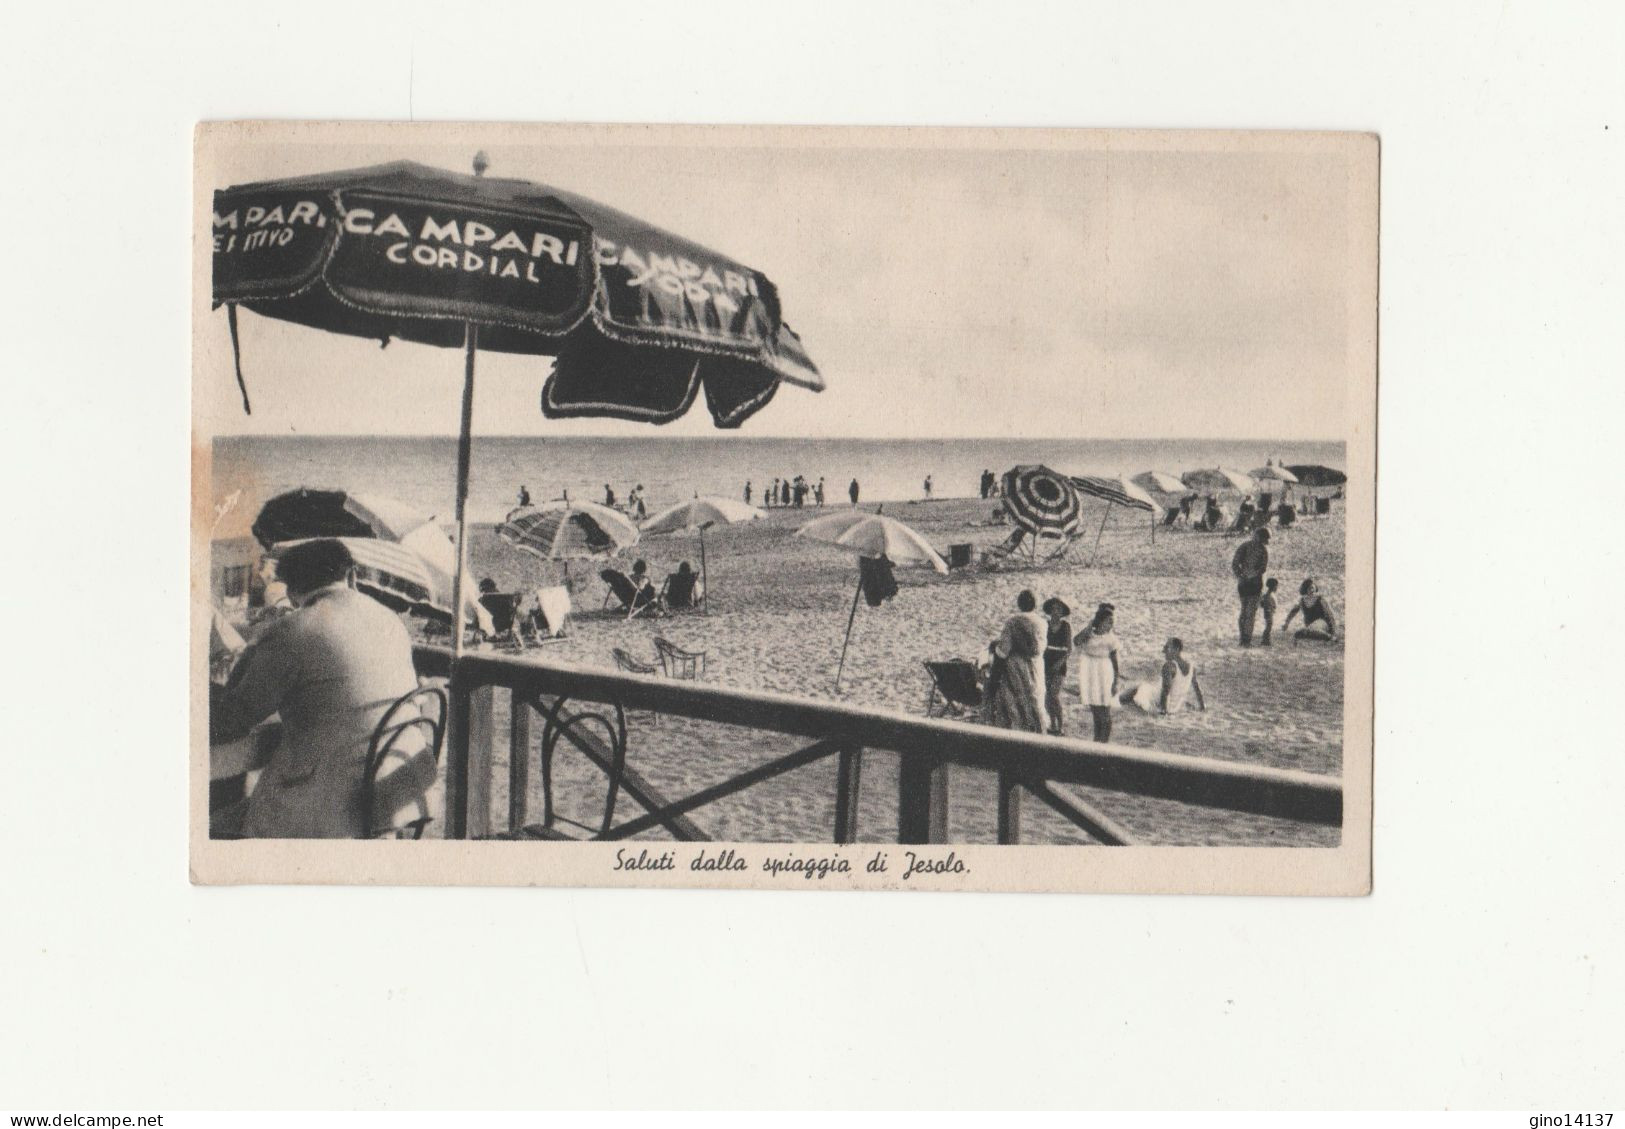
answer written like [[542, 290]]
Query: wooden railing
[[587, 708]]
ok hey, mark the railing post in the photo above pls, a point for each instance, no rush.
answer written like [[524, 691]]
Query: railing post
[[1009, 808], [518, 760], [848, 776], [922, 799], [468, 761]]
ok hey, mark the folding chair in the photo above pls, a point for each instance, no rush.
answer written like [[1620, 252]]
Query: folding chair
[[634, 600], [958, 682]]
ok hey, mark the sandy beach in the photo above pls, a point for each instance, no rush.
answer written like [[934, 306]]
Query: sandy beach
[[779, 606]]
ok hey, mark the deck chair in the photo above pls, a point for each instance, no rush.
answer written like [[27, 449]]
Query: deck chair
[[550, 614], [1011, 546], [958, 683], [677, 662], [682, 592], [633, 600], [504, 609], [1052, 545]]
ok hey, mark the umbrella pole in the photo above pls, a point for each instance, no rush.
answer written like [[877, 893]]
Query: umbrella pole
[[465, 450], [1096, 550], [852, 615], [705, 584]]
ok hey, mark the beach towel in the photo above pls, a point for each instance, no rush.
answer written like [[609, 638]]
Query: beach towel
[[553, 608]]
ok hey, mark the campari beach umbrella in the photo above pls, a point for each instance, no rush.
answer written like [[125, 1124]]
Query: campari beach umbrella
[[1039, 500], [696, 516], [870, 535], [638, 321]]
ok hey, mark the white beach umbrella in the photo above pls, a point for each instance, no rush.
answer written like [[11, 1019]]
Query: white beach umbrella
[[697, 515], [1159, 481], [1217, 479], [1272, 473], [870, 535]]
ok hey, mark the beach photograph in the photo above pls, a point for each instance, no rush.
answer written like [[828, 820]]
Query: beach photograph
[[528, 516]]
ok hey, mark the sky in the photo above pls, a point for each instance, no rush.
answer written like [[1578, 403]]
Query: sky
[[949, 285]]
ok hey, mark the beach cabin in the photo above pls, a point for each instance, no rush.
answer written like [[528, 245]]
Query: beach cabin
[[234, 564]]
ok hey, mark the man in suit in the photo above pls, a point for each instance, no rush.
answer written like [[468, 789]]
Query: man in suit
[[331, 669]]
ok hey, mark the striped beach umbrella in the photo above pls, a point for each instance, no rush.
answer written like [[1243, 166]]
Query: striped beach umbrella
[[390, 573], [561, 531], [1039, 499], [1117, 491]]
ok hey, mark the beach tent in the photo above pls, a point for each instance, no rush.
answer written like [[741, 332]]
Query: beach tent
[[872, 536], [697, 515], [638, 320], [1117, 491]]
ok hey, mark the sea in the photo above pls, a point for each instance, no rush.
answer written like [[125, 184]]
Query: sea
[[421, 470]]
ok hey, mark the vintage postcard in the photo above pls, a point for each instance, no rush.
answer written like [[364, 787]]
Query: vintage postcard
[[816, 509]]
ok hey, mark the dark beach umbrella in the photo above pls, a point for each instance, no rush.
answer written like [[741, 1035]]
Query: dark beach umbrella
[[1040, 499], [637, 319], [1312, 474]]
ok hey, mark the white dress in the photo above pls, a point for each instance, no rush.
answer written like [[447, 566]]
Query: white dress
[[1147, 694], [1095, 669]]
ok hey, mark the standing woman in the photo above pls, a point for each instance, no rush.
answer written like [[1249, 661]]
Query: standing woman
[[1098, 674], [1057, 650], [1015, 696]]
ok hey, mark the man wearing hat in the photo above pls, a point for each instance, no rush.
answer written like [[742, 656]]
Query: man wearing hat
[[1248, 566], [1057, 648]]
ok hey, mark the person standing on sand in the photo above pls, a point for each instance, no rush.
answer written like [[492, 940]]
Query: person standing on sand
[[747, 491], [1057, 649], [609, 496], [1098, 674], [1266, 604], [1015, 686], [524, 496], [928, 488], [818, 492], [1248, 566], [852, 491]]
